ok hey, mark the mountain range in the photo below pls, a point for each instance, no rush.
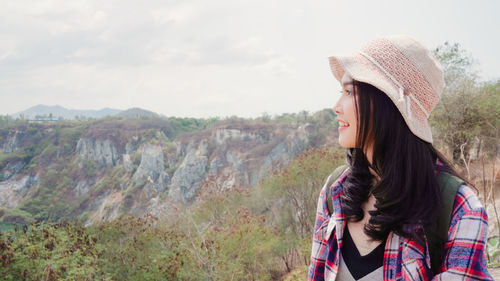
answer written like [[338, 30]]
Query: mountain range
[[59, 112]]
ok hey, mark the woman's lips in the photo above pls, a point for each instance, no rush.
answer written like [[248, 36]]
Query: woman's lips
[[343, 125]]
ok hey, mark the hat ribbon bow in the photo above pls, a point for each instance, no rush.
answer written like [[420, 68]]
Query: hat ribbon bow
[[404, 97]]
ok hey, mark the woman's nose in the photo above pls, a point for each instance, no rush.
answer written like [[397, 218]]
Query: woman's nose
[[336, 107]]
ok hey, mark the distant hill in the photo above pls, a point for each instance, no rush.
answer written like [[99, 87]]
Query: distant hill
[[57, 111], [137, 113]]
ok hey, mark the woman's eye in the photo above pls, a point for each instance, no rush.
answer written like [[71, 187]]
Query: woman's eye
[[347, 92]]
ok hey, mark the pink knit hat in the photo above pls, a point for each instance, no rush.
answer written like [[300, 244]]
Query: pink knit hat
[[403, 69]]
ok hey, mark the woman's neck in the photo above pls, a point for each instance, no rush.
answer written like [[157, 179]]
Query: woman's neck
[[363, 242]]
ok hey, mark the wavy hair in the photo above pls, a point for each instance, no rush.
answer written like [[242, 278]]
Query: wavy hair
[[406, 188]]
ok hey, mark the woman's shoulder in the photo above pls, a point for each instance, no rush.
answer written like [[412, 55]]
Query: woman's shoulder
[[467, 198], [338, 175], [467, 204]]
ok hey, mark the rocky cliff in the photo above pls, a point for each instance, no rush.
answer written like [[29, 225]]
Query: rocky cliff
[[101, 170]]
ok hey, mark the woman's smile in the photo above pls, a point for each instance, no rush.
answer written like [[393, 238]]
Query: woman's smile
[[342, 125]]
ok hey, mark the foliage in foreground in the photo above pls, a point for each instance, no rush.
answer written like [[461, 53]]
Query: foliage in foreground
[[126, 249], [240, 247], [49, 252]]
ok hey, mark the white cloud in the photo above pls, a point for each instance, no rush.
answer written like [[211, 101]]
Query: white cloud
[[179, 14]]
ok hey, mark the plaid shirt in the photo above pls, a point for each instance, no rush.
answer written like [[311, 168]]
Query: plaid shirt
[[407, 259]]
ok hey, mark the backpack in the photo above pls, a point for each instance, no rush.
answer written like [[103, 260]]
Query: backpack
[[436, 232]]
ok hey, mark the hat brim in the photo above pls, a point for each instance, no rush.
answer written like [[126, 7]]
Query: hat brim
[[363, 70]]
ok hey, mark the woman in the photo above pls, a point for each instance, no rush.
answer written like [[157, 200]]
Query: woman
[[389, 196]]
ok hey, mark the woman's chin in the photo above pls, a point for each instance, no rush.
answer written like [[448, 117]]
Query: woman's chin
[[345, 144]]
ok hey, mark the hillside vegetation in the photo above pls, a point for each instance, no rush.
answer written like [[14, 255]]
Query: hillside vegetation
[[99, 170]]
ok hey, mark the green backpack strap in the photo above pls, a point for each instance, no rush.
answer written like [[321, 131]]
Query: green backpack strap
[[437, 232], [335, 175]]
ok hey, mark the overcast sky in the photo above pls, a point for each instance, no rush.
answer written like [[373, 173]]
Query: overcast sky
[[202, 58]]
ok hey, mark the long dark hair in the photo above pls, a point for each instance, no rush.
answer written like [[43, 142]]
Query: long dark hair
[[406, 189]]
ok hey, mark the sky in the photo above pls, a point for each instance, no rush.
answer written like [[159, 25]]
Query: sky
[[200, 58]]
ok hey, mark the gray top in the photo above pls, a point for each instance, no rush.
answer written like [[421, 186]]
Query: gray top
[[345, 275]]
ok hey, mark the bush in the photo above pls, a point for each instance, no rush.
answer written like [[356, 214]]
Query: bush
[[139, 249], [126, 249], [49, 252], [238, 245]]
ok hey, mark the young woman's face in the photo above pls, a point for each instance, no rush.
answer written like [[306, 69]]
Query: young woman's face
[[345, 108]]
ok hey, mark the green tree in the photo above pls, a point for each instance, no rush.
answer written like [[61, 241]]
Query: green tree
[[456, 119], [292, 196], [489, 108]]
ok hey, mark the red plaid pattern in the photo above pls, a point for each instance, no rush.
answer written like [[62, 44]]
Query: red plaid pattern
[[407, 259]]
